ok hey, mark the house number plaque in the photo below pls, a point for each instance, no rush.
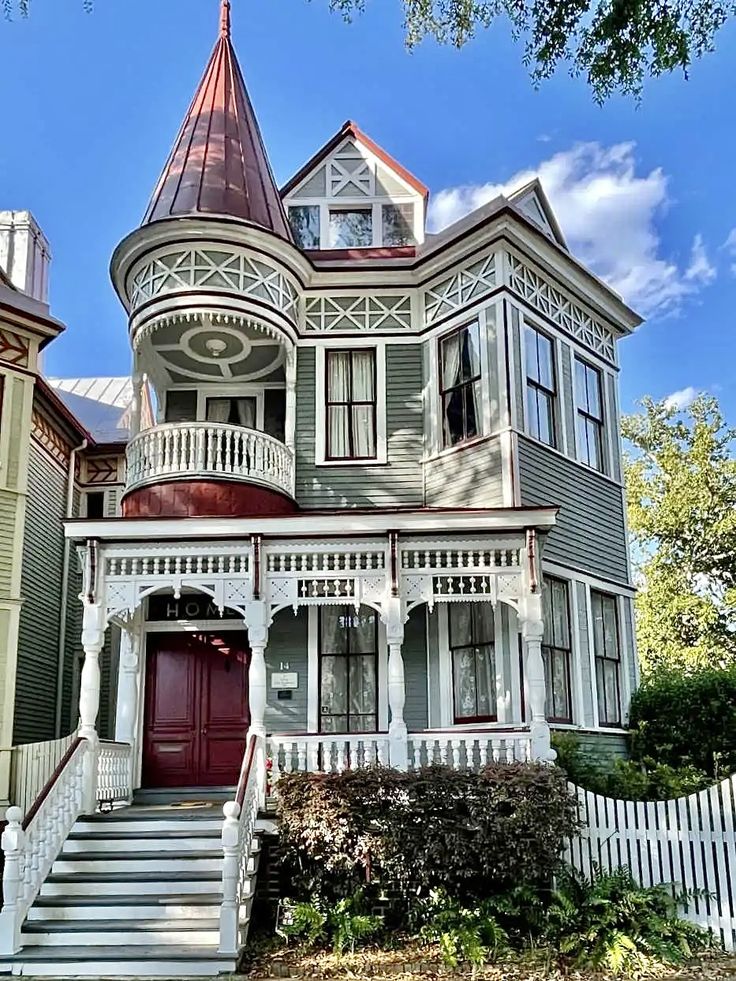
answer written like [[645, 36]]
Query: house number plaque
[[285, 680]]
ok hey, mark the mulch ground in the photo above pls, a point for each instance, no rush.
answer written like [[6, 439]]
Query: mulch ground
[[411, 961]]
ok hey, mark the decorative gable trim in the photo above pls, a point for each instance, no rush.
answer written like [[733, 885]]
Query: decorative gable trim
[[337, 312], [14, 349], [50, 438], [470, 282]]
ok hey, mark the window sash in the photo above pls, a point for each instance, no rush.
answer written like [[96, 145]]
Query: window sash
[[397, 224], [460, 385], [351, 228], [590, 419], [607, 648], [305, 224], [483, 678], [349, 655], [557, 648], [354, 417]]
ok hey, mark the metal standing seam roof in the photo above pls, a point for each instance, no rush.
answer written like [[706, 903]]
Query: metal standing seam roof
[[102, 405], [219, 165]]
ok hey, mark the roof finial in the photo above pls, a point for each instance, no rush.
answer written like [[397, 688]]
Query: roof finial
[[225, 18]]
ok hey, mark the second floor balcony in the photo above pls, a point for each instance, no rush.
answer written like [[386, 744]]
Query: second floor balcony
[[209, 451]]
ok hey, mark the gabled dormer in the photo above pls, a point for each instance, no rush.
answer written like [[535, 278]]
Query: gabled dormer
[[353, 195]]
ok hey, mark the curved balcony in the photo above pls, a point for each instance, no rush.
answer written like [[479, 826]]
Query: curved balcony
[[206, 451]]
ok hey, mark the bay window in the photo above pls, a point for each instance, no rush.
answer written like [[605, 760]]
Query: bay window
[[351, 228], [348, 659], [607, 649], [557, 649], [473, 654], [460, 385], [351, 404], [589, 406], [541, 388]]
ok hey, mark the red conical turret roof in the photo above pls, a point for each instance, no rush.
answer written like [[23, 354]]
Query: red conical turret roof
[[218, 165]]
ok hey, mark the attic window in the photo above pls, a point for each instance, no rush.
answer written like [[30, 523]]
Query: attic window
[[304, 221], [351, 228], [398, 222]]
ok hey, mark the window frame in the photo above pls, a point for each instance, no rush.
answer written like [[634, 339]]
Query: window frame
[[583, 412], [549, 649], [478, 380], [334, 206], [551, 395], [317, 208], [397, 206], [472, 646], [328, 404], [604, 659], [348, 610]]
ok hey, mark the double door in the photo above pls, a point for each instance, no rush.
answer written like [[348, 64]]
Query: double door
[[196, 709]]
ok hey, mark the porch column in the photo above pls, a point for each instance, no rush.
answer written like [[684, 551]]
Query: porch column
[[136, 405], [290, 416], [257, 622], [397, 731], [93, 640], [126, 719], [532, 633]]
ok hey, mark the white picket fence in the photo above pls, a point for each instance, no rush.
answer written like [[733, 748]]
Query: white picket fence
[[688, 843]]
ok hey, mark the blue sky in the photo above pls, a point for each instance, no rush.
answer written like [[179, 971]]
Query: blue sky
[[92, 102]]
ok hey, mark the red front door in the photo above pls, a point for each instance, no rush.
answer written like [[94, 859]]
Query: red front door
[[196, 715]]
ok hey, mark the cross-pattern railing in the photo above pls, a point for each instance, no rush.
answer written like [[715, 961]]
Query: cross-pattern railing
[[209, 449]]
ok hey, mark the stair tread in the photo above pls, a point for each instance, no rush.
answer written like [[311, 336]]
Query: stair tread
[[138, 856], [112, 926], [183, 876], [133, 835], [106, 952], [148, 899]]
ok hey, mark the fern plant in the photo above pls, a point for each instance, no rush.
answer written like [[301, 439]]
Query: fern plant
[[349, 924], [464, 935]]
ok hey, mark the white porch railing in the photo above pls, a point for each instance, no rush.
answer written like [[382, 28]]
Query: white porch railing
[[469, 750], [31, 766], [238, 831], [85, 775], [326, 753], [209, 449]]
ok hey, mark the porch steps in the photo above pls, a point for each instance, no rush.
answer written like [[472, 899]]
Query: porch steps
[[134, 893]]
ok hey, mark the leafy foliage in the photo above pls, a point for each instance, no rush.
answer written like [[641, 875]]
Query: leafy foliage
[[407, 834], [614, 45], [465, 936], [610, 922], [641, 778], [681, 488], [344, 924]]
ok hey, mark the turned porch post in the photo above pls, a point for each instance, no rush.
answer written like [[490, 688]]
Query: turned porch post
[[532, 634], [127, 715], [136, 405], [257, 622], [397, 731], [93, 640], [290, 415]]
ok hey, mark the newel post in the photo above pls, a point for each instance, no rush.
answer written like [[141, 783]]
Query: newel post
[[532, 635], [397, 731], [230, 909], [13, 843]]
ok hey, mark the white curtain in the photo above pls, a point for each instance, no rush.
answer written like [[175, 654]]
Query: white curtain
[[246, 412], [451, 361], [218, 410], [363, 415], [338, 390]]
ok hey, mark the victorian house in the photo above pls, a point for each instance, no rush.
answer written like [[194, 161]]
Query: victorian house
[[377, 516]]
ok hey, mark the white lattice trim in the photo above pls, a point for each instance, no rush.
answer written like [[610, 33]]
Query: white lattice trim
[[198, 315], [560, 309], [467, 283], [374, 312], [229, 269]]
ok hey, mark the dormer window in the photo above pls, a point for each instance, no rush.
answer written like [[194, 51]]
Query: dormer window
[[351, 228], [304, 221], [397, 220]]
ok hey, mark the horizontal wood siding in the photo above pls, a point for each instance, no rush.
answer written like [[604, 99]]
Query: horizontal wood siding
[[590, 532], [470, 477], [414, 651], [397, 483], [38, 639], [287, 642]]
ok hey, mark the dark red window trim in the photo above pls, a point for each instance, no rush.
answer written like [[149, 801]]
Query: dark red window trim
[[473, 645]]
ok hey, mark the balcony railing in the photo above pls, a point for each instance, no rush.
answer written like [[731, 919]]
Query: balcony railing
[[209, 449]]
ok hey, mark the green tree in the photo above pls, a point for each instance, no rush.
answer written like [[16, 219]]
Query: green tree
[[681, 487], [614, 44]]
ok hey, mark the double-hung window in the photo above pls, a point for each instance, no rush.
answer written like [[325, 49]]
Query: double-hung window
[[472, 649], [460, 385], [348, 646], [607, 647], [351, 404], [588, 394], [541, 388], [557, 649]]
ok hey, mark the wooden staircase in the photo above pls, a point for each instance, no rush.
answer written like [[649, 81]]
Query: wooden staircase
[[136, 892]]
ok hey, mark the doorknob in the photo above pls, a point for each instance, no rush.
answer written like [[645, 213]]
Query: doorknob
[[204, 730]]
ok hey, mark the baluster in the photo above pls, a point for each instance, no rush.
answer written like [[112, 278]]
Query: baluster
[[482, 752], [342, 756], [302, 756], [444, 748], [496, 744], [314, 754], [275, 763], [456, 748]]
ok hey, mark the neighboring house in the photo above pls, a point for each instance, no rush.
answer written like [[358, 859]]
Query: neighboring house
[[379, 515]]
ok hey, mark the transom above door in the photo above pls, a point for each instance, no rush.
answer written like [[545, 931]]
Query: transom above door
[[196, 709]]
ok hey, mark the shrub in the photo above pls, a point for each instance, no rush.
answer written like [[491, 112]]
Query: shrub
[[470, 936], [690, 719], [610, 922], [645, 779], [343, 925], [407, 834]]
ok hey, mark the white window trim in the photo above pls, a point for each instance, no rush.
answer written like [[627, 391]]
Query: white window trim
[[220, 390], [367, 203], [437, 448], [605, 471], [558, 405], [447, 682], [320, 407]]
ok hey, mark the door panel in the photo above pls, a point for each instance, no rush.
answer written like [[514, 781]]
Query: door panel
[[196, 713]]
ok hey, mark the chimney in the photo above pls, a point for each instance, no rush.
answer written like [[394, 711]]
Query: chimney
[[24, 254]]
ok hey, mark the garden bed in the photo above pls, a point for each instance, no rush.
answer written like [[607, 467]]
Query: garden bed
[[413, 960]]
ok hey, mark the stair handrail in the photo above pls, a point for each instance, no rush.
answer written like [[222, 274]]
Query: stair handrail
[[31, 844], [238, 830]]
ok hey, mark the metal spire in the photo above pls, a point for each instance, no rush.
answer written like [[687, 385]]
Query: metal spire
[[225, 18]]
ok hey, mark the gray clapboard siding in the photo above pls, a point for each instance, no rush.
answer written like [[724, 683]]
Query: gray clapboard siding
[[590, 531], [395, 484], [287, 642], [602, 748], [38, 635], [414, 651], [470, 477]]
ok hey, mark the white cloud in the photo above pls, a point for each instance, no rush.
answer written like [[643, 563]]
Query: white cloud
[[682, 399], [730, 246], [609, 214]]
